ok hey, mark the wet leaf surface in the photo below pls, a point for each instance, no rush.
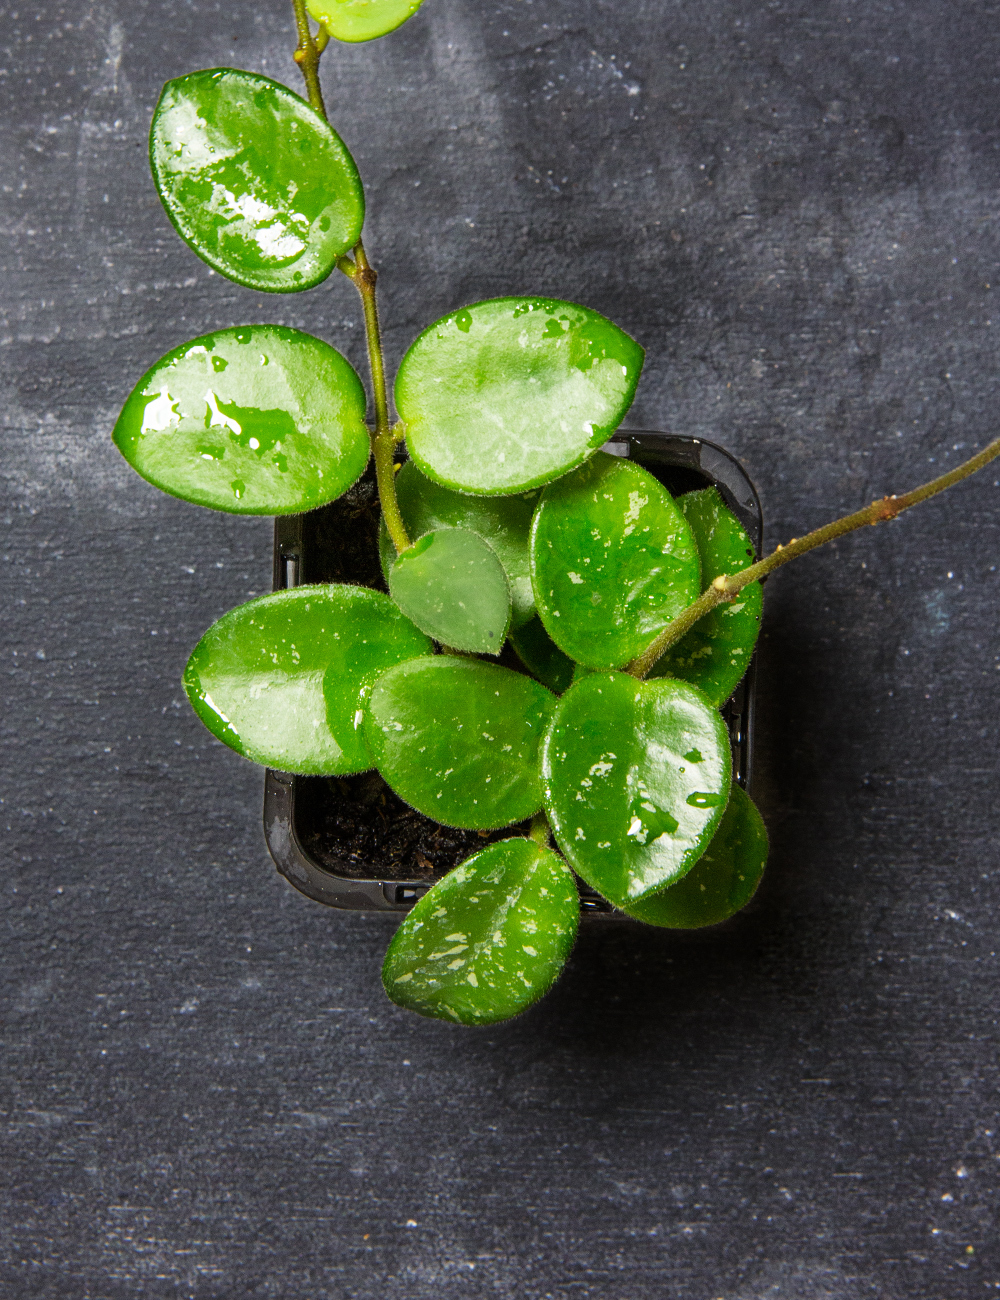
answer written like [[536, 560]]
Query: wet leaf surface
[[724, 878], [458, 739], [254, 180], [489, 939], [283, 679], [256, 419], [508, 394], [612, 561], [636, 778]]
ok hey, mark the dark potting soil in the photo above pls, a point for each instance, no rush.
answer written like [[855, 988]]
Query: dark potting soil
[[356, 826]]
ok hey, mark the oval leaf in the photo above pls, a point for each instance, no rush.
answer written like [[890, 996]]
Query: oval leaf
[[255, 420], [541, 656], [283, 679], [636, 780], [717, 651], [362, 20], [458, 740], [254, 180], [724, 878], [612, 561], [509, 394], [451, 584], [489, 939], [503, 521]]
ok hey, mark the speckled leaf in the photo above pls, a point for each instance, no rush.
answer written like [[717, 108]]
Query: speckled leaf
[[283, 679], [254, 180], [724, 878], [612, 561], [458, 739], [717, 651], [509, 394], [636, 780], [503, 521], [451, 584], [489, 939], [362, 20], [541, 656], [255, 420]]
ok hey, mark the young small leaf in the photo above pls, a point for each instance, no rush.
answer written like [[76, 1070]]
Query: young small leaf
[[283, 679], [636, 780], [254, 180], [489, 939], [254, 420], [362, 20], [724, 878], [503, 521], [451, 584], [458, 739], [541, 656], [717, 651], [509, 394], [612, 561]]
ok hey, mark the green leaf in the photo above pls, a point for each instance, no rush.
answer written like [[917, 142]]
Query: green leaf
[[254, 180], [255, 420], [458, 739], [509, 394], [724, 878], [717, 651], [541, 656], [612, 561], [636, 780], [451, 584], [283, 679], [489, 939], [503, 521], [362, 20]]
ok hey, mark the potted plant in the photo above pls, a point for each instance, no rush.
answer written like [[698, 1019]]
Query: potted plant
[[557, 632]]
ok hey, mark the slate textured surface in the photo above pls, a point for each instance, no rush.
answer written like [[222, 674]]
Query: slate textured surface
[[793, 204]]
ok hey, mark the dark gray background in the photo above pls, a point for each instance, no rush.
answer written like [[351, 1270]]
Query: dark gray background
[[204, 1093]]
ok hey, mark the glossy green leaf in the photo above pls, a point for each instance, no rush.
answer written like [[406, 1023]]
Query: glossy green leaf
[[254, 180], [503, 521], [283, 679], [612, 561], [451, 584], [717, 651], [509, 394], [489, 939], [255, 420], [541, 656], [636, 780], [362, 20], [458, 739], [724, 878]]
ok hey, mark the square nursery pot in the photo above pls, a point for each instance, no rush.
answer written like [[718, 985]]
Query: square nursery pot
[[349, 841]]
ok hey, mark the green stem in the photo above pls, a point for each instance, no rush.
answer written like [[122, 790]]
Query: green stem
[[307, 56], [364, 276], [539, 830], [385, 437], [725, 588]]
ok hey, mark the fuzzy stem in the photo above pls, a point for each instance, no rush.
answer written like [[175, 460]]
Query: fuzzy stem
[[725, 588], [307, 55], [539, 830]]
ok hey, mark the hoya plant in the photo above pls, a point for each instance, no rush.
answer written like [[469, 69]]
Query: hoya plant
[[557, 633]]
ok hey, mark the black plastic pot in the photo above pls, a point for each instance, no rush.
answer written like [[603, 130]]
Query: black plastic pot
[[350, 842]]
